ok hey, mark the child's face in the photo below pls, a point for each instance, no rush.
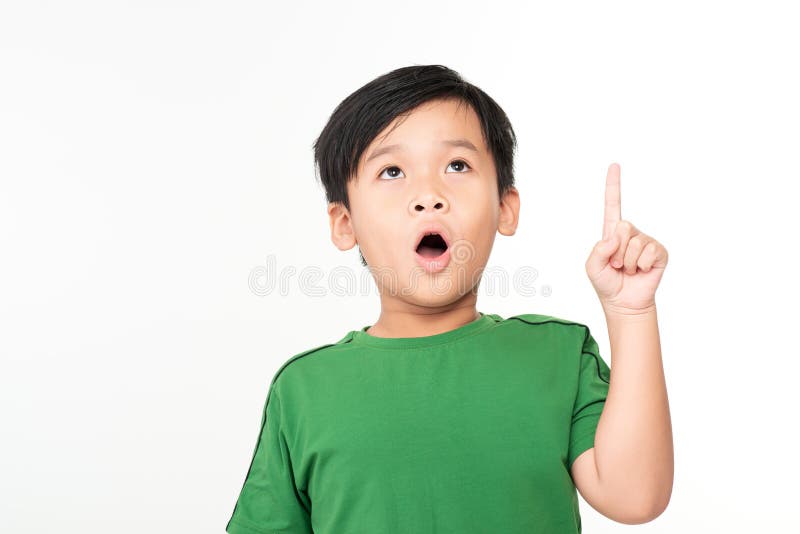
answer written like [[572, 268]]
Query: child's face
[[425, 181]]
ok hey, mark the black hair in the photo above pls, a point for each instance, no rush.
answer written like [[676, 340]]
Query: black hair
[[360, 117]]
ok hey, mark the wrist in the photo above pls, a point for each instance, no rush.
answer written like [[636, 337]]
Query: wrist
[[614, 310]]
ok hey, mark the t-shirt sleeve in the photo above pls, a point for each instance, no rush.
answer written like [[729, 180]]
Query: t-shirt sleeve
[[594, 375], [269, 500]]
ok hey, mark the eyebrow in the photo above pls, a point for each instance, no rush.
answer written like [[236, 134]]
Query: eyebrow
[[464, 143]]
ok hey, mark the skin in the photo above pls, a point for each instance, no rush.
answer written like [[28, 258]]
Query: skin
[[628, 474], [394, 195]]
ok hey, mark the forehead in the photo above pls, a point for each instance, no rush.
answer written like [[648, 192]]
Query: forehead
[[429, 124]]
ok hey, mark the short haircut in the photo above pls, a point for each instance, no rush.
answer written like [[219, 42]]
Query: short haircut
[[360, 117]]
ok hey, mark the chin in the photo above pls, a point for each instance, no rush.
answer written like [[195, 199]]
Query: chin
[[440, 289]]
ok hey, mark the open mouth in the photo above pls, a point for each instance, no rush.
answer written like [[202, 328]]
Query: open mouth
[[432, 245]]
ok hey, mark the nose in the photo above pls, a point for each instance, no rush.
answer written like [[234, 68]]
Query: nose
[[432, 202]]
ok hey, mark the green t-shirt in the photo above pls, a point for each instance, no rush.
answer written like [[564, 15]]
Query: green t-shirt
[[468, 431]]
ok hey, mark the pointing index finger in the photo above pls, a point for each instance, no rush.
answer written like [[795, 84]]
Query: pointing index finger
[[613, 207]]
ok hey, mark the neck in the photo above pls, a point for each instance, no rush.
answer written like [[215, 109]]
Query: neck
[[404, 320]]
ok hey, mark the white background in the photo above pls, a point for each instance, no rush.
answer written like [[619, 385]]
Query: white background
[[153, 154]]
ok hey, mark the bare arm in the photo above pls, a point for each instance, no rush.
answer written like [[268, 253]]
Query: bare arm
[[628, 476]]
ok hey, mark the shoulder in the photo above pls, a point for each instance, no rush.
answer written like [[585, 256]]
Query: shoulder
[[559, 333], [535, 321], [569, 339], [311, 361]]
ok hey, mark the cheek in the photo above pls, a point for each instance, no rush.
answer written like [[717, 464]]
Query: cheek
[[383, 231], [483, 246], [471, 251], [483, 229]]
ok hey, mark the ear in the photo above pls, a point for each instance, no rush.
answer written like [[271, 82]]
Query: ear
[[342, 233], [509, 212]]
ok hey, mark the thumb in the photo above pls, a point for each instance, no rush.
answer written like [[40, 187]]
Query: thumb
[[601, 254]]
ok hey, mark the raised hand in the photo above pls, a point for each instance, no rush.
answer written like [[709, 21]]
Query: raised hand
[[626, 265]]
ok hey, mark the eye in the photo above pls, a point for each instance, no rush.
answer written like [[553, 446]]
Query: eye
[[396, 168], [389, 168], [462, 162]]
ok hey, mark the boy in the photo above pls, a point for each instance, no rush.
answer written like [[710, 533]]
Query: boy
[[439, 418]]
